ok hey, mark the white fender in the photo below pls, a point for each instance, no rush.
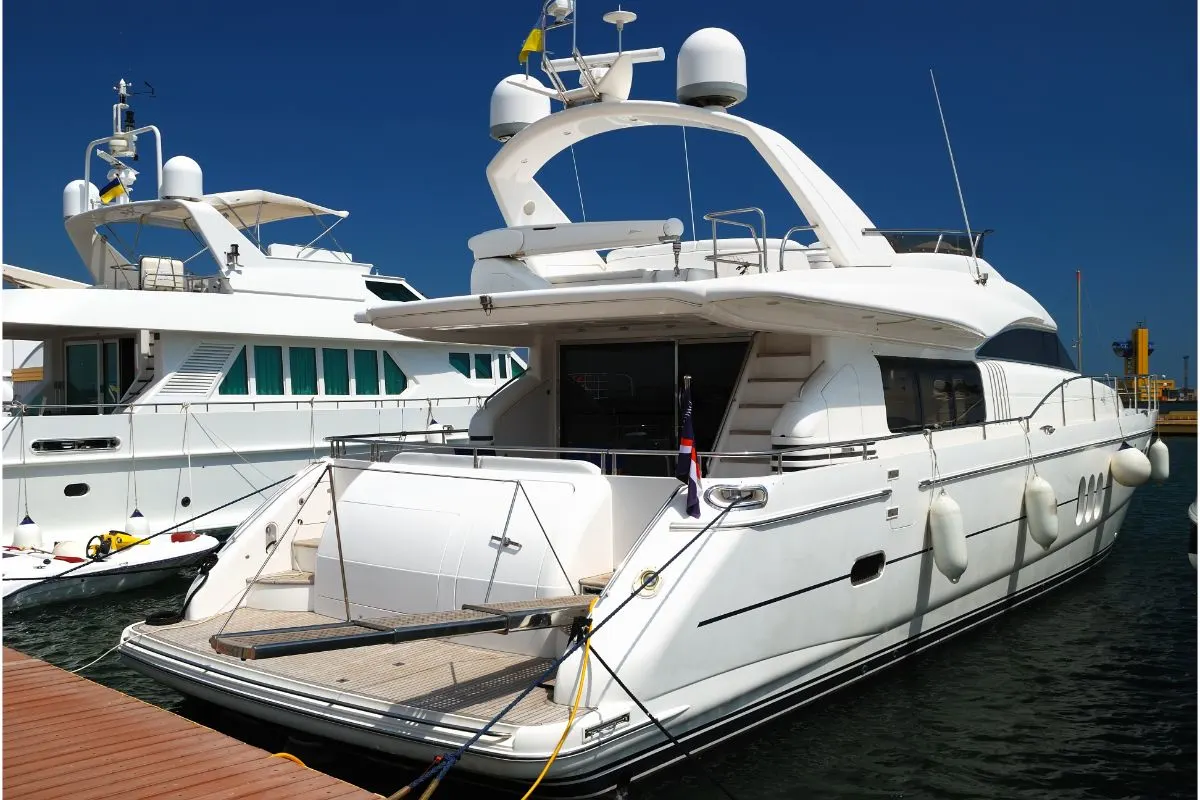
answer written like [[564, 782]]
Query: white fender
[[27, 534], [137, 525], [70, 549], [1160, 461], [948, 536], [1041, 510], [1129, 466]]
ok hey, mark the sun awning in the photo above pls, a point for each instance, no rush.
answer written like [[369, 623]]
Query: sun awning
[[254, 206]]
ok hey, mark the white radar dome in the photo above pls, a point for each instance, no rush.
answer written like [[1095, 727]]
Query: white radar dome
[[711, 69], [182, 179], [77, 199], [514, 108]]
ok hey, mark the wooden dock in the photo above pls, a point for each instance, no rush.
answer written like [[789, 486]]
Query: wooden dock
[[65, 736], [1176, 423]]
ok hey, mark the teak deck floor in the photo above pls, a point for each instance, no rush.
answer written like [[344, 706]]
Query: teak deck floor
[[65, 736]]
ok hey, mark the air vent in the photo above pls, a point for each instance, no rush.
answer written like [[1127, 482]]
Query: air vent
[[200, 371]]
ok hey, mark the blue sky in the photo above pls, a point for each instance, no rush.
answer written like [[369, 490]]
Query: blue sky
[[1074, 128]]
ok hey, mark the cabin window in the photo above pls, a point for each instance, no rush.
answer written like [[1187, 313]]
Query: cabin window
[[462, 363], [483, 366], [268, 369], [366, 372], [235, 380], [303, 363], [502, 366], [517, 369], [920, 393], [394, 379], [336, 370], [1028, 346], [395, 292]]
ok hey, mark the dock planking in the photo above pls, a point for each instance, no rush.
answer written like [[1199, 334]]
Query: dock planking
[[66, 736]]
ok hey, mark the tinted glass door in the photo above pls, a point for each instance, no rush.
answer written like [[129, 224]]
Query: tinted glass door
[[83, 376]]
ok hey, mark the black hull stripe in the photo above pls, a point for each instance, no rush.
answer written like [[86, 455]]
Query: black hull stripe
[[830, 581]]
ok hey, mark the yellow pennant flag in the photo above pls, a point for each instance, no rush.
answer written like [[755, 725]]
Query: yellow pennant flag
[[533, 44]]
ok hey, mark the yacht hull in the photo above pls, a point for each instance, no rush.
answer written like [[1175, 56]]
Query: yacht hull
[[640, 750]]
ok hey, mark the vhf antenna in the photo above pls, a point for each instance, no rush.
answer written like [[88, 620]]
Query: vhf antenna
[[980, 278]]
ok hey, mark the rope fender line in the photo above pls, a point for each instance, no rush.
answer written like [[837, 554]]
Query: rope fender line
[[435, 773]]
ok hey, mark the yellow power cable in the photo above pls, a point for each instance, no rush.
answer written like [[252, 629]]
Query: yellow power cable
[[587, 648]]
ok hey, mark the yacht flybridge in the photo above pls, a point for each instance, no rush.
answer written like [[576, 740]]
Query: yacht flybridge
[[175, 384], [883, 444]]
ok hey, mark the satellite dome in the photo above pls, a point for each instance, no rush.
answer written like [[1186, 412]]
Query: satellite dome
[[514, 108], [711, 69], [182, 179], [76, 201]]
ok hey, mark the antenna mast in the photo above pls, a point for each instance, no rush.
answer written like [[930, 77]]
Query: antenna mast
[[1079, 320], [979, 277]]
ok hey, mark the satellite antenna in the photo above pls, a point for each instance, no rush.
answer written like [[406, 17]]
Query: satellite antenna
[[620, 19]]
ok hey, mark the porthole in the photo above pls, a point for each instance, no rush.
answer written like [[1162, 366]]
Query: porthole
[[867, 568], [76, 489], [185, 502], [1081, 501]]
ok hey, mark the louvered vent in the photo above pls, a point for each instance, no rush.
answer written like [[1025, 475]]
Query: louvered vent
[[200, 371]]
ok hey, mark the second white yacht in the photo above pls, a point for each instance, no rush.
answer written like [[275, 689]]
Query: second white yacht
[[178, 383]]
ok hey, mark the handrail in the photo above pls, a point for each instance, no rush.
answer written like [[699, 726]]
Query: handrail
[[777, 456], [18, 408], [760, 246], [783, 242]]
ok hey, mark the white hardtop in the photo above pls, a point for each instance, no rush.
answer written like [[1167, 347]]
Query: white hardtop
[[544, 272]]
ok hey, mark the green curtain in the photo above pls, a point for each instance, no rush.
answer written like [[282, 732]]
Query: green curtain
[[366, 372], [235, 381], [337, 371], [461, 362], [394, 379], [303, 361], [268, 369], [483, 366]]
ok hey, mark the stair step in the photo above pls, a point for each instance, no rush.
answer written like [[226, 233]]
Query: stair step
[[594, 584], [783, 355], [760, 405], [313, 543], [750, 432], [773, 380], [291, 577], [538, 614]]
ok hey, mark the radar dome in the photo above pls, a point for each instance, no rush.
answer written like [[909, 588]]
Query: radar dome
[[182, 179], [711, 69], [514, 108], [76, 201]]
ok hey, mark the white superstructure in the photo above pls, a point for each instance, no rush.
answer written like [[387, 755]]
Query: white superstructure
[[205, 361], [894, 447]]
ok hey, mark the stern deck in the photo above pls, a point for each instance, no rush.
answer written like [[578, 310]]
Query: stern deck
[[435, 675]]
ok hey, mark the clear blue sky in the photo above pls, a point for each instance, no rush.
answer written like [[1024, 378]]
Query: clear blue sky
[[1074, 127]]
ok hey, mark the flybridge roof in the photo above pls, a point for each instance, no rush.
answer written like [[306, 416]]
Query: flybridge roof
[[243, 209]]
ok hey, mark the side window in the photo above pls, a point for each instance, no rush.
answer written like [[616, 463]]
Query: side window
[[1028, 346], [394, 379], [502, 366], [337, 371], [462, 363], [517, 369], [268, 370], [303, 363], [483, 366], [366, 372], [236, 380], [918, 393]]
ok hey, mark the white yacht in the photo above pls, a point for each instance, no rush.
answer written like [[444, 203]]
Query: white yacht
[[893, 447], [185, 379]]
